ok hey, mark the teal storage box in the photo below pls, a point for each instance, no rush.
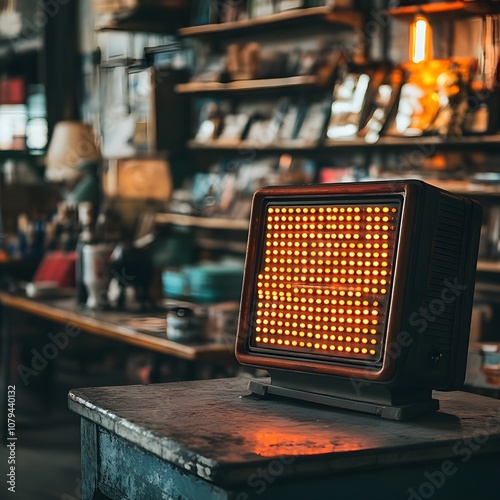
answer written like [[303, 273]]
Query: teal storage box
[[205, 282]]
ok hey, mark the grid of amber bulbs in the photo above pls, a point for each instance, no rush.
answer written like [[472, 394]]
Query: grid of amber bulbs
[[324, 279]]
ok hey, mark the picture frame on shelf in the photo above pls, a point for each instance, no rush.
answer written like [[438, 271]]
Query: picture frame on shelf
[[260, 8], [387, 87], [349, 99], [290, 123], [233, 127], [261, 132], [284, 5], [312, 128], [209, 123]]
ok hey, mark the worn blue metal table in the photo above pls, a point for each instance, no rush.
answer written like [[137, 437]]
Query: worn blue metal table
[[211, 439]]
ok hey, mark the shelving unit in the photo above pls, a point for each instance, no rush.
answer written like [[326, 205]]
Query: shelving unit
[[311, 16], [168, 20], [325, 150]]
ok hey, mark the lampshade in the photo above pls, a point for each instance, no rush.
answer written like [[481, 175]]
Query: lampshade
[[72, 142]]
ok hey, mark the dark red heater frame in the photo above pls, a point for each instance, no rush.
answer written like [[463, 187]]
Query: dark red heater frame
[[359, 295]]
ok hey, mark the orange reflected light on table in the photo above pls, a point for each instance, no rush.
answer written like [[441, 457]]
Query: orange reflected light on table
[[271, 444]]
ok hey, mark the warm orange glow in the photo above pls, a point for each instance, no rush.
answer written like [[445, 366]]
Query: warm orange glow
[[306, 442], [354, 269]]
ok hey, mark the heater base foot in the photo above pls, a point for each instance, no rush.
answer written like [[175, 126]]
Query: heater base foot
[[400, 412]]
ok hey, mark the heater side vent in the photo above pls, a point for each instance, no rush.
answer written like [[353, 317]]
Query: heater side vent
[[442, 300]]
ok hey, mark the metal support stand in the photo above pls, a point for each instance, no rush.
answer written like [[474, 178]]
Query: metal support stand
[[392, 412]]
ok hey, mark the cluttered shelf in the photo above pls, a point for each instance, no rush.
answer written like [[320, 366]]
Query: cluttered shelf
[[311, 16], [292, 82], [456, 9]]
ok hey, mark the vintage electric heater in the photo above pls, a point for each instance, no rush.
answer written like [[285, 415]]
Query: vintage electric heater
[[359, 295]]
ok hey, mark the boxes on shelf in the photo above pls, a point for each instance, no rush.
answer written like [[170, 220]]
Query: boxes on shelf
[[225, 11], [12, 90], [189, 321], [207, 282]]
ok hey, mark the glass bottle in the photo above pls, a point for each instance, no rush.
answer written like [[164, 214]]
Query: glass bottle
[[86, 237]]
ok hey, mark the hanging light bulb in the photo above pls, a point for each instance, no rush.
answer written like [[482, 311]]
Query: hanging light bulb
[[420, 40]]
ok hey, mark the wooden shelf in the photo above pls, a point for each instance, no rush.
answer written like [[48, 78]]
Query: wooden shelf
[[489, 266], [34, 160], [459, 142], [244, 146], [202, 222], [264, 84], [466, 187], [455, 9], [144, 20], [489, 288], [311, 15], [424, 143], [14, 154], [19, 45], [120, 62], [227, 246]]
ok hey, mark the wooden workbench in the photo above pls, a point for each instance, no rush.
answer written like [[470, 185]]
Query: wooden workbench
[[111, 325], [211, 439]]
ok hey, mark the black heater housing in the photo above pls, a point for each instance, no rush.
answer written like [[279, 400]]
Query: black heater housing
[[359, 295]]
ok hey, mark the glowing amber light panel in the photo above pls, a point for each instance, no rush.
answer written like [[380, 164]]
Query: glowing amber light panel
[[324, 279]]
